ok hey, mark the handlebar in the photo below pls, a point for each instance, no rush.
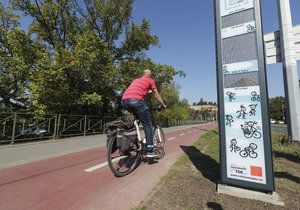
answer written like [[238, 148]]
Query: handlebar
[[157, 109]]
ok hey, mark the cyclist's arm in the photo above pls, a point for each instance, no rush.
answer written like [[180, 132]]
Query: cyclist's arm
[[158, 97]]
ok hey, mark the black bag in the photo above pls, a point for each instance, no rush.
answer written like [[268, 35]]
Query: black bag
[[124, 133], [126, 139], [111, 136]]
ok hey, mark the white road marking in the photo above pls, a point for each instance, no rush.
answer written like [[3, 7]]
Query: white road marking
[[195, 130], [102, 164], [169, 139], [190, 131], [182, 134]]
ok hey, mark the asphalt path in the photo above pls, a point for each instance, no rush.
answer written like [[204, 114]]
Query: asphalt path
[[82, 180], [279, 127]]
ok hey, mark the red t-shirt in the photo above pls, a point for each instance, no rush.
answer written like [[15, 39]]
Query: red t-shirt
[[139, 88]]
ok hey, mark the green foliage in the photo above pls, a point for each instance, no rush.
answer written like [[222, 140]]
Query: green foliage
[[17, 58], [276, 108], [177, 110], [77, 57]]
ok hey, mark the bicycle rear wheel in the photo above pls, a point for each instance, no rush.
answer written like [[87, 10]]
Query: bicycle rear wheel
[[119, 163], [159, 142]]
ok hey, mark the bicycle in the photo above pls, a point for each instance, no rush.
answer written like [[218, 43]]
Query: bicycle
[[121, 164], [250, 131], [255, 96], [249, 151]]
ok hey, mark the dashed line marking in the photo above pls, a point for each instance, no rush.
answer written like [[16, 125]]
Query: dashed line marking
[[102, 165], [182, 134], [169, 139], [190, 131]]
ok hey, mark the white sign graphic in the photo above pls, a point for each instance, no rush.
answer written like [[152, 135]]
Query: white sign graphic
[[234, 6], [244, 135], [240, 67], [238, 29]]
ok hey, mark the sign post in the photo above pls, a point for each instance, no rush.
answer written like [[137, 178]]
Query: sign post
[[290, 73], [245, 140]]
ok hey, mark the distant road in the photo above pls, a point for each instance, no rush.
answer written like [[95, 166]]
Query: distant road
[[279, 127]]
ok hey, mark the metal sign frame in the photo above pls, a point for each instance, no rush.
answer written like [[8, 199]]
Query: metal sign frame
[[224, 179]]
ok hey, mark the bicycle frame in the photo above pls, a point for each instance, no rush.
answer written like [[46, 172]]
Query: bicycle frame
[[136, 124]]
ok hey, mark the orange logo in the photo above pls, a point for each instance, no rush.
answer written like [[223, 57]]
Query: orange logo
[[256, 171]]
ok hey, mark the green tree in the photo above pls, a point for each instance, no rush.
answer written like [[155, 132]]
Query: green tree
[[277, 108], [75, 56], [84, 65], [17, 57]]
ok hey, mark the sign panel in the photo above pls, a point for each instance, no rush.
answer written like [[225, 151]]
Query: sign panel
[[238, 29], [240, 67], [246, 159], [233, 6], [244, 145]]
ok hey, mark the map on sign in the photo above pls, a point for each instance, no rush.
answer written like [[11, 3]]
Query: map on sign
[[233, 6]]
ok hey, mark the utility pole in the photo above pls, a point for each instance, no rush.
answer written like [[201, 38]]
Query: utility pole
[[290, 73]]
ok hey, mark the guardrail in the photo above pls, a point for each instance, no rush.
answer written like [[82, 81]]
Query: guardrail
[[21, 127]]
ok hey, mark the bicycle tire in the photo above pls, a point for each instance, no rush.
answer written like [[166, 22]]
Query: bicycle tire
[[253, 154], [257, 135], [160, 141], [243, 153], [111, 161]]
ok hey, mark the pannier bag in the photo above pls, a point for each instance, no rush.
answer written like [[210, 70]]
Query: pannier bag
[[125, 133], [111, 136], [126, 139]]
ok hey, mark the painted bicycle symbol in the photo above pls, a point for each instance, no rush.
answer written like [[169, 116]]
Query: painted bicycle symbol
[[250, 130], [255, 96], [249, 151], [233, 146], [231, 95], [250, 28]]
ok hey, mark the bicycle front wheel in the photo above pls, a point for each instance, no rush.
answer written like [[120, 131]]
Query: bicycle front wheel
[[159, 142], [119, 163]]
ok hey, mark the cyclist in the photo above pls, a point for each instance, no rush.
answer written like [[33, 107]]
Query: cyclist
[[133, 101]]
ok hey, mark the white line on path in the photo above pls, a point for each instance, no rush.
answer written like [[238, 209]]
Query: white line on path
[[169, 139], [182, 134], [190, 131], [195, 130], [102, 164]]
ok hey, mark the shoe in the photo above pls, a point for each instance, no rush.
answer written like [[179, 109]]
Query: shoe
[[151, 153]]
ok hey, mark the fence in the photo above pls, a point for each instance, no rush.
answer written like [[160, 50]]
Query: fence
[[20, 127]]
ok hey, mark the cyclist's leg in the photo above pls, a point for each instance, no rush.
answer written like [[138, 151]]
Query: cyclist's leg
[[144, 117]]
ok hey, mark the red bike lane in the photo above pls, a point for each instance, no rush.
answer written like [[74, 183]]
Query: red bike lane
[[82, 180]]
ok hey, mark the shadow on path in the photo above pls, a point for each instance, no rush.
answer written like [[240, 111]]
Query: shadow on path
[[204, 163], [214, 206], [288, 176], [289, 157]]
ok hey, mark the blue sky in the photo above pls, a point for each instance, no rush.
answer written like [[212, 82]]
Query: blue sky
[[186, 32], [187, 42]]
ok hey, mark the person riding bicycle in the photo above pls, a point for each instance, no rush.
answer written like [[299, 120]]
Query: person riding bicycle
[[133, 101]]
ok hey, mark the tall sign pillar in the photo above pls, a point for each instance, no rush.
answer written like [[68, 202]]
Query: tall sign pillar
[[245, 140], [290, 73]]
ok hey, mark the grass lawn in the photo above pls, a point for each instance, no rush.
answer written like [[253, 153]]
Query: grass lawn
[[191, 182]]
